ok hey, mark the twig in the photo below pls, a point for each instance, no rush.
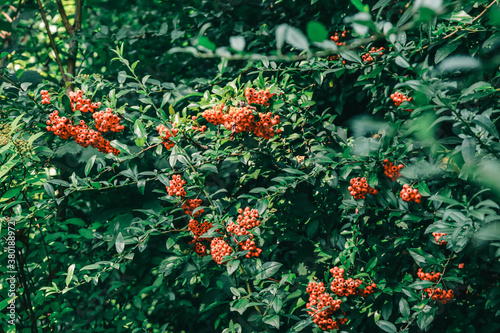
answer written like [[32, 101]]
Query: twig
[[52, 42]]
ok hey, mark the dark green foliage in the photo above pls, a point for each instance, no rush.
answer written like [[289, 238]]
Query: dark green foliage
[[100, 246]]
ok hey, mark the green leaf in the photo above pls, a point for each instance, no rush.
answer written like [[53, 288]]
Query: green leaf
[[67, 104], [424, 320], [359, 6], [89, 165], [139, 129], [401, 62], [351, 56], [120, 243], [292, 36], [316, 31], [5, 302], [419, 259], [207, 43], [69, 276], [232, 266], [445, 51], [468, 149], [386, 326], [118, 145], [86, 233], [404, 308], [237, 43], [487, 124], [272, 320], [268, 269], [458, 63]]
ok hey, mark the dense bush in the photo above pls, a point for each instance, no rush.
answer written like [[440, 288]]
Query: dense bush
[[250, 166]]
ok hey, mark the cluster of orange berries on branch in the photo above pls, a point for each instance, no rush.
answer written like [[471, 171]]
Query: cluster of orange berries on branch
[[438, 294], [190, 205], [368, 57], [399, 98], [247, 219], [433, 277], [198, 128], [347, 287], [392, 171], [65, 129], [410, 194], [336, 38], [106, 121], [79, 103], [258, 97], [165, 134], [45, 97], [359, 188], [200, 249], [242, 119], [321, 307], [176, 187], [198, 228], [218, 249], [437, 236]]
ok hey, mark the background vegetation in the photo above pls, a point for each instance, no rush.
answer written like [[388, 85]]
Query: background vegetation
[[101, 246]]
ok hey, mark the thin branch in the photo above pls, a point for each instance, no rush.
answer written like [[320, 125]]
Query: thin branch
[[64, 17], [52, 42]]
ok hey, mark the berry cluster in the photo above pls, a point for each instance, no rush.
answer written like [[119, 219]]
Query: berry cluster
[[258, 97], [165, 134], [409, 194], [335, 38], [433, 277], [399, 98], [200, 249], [246, 220], [45, 97], [176, 187], [242, 119], [190, 205], [392, 171], [437, 236], [79, 103], [65, 129], [106, 121], [198, 229], [219, 249], [347, 287], [368, 57], [438, 294], [322, 306], [4, 134], [359, 188]]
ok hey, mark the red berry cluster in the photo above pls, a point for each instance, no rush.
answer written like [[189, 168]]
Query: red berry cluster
[[242, 119], [359, 188], [347, 287], [258, 97], [79, 103], [200, 249], [322, 306], [437, 236], [246, 221], [106, 121], [45, 97], [176, 187], [198, 229], [399, 98], [165, 133], [335, 38], [409, 194], [218, 249], [392, 171], [65, 129], [433, 277], [190, 205], [368, 57], [438, 294]]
